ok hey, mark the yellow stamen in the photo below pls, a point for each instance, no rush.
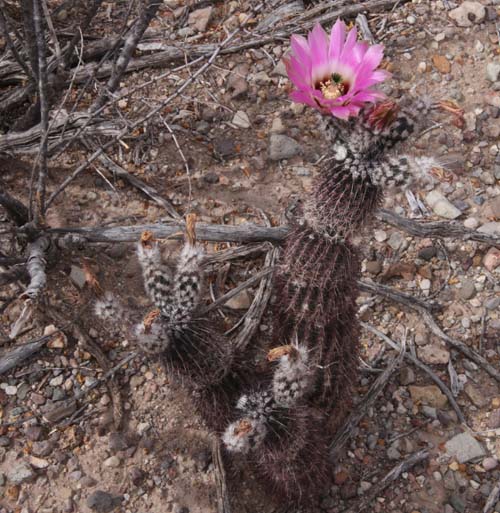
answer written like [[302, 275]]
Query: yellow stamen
[[331, 90]]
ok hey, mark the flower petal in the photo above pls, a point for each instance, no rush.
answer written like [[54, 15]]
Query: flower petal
[[317, 58], [300, 49], [302, 97], [318, 45], [337, 38], [349, 44], [372, 58]]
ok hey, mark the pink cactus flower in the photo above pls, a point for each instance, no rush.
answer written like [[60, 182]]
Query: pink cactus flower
[[335, 74]]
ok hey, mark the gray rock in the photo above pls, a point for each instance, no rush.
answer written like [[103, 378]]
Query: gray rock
[[88, 482], [283, 147], [487, 178], [33, 433], [241, 119], [117, 442], [468, 290], [137, 476], [241, 301], [493, 71], [489, 463], [77, 276], [476, 395], [112, 462], [4, 441], [42, 448], [185, 32], [373, 267], [396, 241], [406, 376], [492, 228], [441, 206], [237, 82], [20, 472], [427, 253], [468, 13], [433, 354], [457, 502], [200, 18], [494, 419], [102, 502], [464, 447], [393, 453], [449, 481], [429, 412]]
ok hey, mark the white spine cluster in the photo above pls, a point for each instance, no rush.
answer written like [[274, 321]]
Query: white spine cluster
[[244, 435], [188, 282], [292, 379], [157, 277]]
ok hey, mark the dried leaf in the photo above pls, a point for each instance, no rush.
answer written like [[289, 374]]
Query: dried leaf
[[91, 279], [280, 351], [147, 239], [191, 228], [149, 319]]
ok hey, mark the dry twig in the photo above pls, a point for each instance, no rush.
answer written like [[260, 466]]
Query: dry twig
[[367, 500], [440, 229], [446, 391], [223, 504], [345, 431]]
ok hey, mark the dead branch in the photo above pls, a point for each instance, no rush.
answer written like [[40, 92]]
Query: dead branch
[[233, 253], [254, 314], [67, 52], [439, 229], [147, 14], [243, 233], [151, 192], [62, 129], [19, 354], [222, 233], [425, 314], [492, 499], [12, 47], [12, 275], [169, 54], [362, 23], [152, 112], [39, 210], [223, 503], [446, 391], [35, 265], [396, 295], [369, 498], [234, 292], [345, 431], [16, 209]]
